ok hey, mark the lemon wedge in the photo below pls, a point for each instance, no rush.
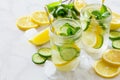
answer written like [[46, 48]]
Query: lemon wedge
[[105, 69], [41, 38], [41, 18], [112, 56], [25, 23], [115, 23], [79, 4]]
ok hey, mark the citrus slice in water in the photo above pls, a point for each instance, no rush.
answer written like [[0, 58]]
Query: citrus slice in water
[[25, 23], [64, 65], [112, 56], [105, 69], [99, 41], [92, 39], [58, 61]]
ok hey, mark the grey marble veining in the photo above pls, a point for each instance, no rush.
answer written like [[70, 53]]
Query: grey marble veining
[[16, 51]]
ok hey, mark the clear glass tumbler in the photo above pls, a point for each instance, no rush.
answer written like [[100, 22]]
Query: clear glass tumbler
[[95, 21], [65, 48]]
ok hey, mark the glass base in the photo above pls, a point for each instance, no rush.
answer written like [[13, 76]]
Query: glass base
[[95, 53], [83, 71]]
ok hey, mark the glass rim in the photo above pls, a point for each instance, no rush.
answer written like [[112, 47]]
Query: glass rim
[[71, 36], [95, 4]]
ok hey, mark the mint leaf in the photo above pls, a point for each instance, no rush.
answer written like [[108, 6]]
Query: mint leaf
[[106, 14], [61, 11], [97, 14], [102, 25], [53, 5], [103, 9], [63, 34], [70, 29]]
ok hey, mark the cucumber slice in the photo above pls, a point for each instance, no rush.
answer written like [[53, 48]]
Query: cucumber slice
[[68, 53], [114, 35], [45, 52], [37, 59], [116, 44]]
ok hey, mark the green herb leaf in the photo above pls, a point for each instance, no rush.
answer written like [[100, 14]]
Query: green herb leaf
[[74, 15], [70, 29], [97, 14], [103, 9], [63, 34], [106, 14], [102, 25], [61, 11], [70, 32], [77, 28], [52, 6]]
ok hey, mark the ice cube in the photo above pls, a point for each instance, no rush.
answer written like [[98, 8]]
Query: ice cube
[[49, 68]]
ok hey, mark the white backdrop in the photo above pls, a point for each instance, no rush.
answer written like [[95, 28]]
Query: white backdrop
[[15, 51]]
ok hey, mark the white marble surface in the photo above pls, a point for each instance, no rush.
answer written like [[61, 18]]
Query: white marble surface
[[16, 51]]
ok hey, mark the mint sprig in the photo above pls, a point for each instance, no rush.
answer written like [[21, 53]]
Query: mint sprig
[[57, 9], [70, 30], [101, 14]]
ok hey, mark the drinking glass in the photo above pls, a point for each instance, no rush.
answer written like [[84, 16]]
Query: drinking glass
[[65, 49], [95, 21]]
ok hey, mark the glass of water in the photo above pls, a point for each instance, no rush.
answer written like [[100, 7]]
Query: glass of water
[[95, 21], [65, 43]]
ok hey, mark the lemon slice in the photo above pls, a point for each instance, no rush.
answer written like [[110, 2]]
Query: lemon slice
[[41, 38], [99, 41], [64, 65], [112, 56], [41, 18], [92, 39], [105, 69], [25, 23], [79, 4], [115, 23], [58, 61], [69, 66]]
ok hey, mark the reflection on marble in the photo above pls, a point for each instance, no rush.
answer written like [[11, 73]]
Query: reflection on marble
[[16, 51]]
